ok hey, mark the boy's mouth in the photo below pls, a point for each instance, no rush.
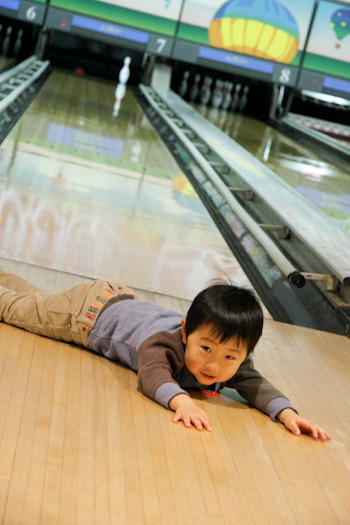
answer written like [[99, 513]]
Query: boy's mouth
[[208, 377]]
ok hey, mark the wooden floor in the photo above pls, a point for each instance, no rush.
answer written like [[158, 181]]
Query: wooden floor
[[79, 444]]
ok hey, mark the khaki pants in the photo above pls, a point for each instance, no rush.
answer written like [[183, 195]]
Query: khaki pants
[[68, 315]]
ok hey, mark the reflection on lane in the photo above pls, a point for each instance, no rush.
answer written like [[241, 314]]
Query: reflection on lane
[[86, 193], [322, 183], [73, 116]]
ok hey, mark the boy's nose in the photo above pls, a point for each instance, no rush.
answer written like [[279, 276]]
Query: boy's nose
[[212, 366]]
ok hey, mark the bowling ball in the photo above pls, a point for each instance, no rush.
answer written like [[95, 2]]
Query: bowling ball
[[79, 71]]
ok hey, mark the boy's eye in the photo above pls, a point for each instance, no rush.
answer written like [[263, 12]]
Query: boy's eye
[[206, 349], [230, 357]]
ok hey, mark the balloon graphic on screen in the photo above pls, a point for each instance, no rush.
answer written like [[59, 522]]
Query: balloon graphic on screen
[[262, 28], [340, 22]]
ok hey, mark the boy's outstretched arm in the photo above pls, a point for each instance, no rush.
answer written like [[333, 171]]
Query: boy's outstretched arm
[[187, 411], [295, 423]]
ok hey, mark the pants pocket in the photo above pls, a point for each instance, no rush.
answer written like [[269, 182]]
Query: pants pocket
[[59, 310]]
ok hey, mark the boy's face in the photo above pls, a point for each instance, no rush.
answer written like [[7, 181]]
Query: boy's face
[[209, 360]]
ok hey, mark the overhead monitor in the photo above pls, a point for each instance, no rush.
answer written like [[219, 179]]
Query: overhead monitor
[[326, 66], [147, 26], [32, 11], [255, 38]]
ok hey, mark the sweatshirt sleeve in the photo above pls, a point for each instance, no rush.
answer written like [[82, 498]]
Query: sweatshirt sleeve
[[258, 391], [160, 359]]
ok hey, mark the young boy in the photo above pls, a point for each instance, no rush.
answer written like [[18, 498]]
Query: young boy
[[208, 350]]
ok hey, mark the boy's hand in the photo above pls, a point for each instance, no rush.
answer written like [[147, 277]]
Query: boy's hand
[[295, 423], [187, 411]]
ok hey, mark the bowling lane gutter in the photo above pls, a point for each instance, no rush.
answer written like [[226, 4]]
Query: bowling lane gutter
[[281, 261], [277, 256], [9, 99], [305, 220], [324, 145], [23, 82]]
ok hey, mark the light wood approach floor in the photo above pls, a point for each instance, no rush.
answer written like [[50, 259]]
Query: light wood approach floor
[[80, 445]]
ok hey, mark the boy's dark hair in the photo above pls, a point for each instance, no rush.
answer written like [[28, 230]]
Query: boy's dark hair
[[230, 310]]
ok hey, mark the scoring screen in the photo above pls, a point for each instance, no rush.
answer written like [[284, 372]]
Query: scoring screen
[[328, 49], [249, 34], [269, 29], [158, 16]]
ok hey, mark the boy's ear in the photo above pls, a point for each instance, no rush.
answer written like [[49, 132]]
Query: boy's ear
[[183, 331]]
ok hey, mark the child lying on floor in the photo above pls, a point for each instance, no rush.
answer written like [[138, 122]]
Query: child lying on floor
[[209, 349]]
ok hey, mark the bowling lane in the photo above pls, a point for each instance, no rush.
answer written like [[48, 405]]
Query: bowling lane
[[322, 183], [86, 193]]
